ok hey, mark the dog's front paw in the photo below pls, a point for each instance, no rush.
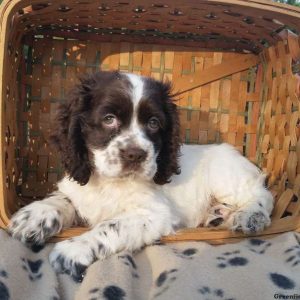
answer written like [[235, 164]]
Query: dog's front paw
[[250, 221], [35, 223], [72, 257]]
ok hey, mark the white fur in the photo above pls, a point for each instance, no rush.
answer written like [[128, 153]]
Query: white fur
[[138, 87], [144, 212], [206, 171], [217, 171], [127, 210], [140, 213]]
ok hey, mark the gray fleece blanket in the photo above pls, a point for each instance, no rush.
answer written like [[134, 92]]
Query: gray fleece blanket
[[251, 269]]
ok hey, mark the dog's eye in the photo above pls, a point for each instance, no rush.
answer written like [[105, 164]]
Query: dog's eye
[[110, 120], [153, 124]]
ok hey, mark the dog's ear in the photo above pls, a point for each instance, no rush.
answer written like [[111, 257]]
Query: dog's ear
[[68, 136], [167, 160]]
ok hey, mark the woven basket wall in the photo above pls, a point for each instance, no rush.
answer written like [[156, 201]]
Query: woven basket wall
[[233, 63]]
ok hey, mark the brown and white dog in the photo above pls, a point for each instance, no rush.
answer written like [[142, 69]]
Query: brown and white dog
[[118, 136]]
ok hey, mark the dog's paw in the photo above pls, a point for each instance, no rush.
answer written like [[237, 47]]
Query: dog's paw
[[250, 221], [35, 223], [72, 257], [218, 215]]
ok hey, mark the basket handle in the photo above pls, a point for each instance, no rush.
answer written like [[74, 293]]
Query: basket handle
[[216, 72]]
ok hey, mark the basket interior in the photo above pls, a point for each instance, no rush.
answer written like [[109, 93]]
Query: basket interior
[[251, 105], [221, 111]]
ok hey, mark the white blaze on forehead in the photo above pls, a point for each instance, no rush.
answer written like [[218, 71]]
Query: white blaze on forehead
[[137, 88], [135, 130]]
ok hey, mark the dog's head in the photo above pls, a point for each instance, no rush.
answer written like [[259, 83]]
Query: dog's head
[[117, 125]]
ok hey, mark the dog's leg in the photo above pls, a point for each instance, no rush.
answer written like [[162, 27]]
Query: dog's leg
[[251, 217], [128, 231], [234, 180], [249, 211], [40, 220]]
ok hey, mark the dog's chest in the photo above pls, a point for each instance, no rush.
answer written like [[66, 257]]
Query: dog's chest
[[102, 201]]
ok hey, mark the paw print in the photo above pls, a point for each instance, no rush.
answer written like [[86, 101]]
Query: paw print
[[282, 281], [129, 261], [95, 294], [294, 255], [212, 294], [36, 248], [4, 291], [258, 246], [32, 268], [162, 283], [186, 254], [109, 292], [231, 259], [3, 274]]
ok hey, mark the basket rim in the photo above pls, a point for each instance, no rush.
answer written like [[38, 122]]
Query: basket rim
[[8, 5], [209, 235]]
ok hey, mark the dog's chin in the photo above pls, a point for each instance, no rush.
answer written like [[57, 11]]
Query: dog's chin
[[135, 173]]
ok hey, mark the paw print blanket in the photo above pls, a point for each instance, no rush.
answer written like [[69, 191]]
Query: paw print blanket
[[251, 269]]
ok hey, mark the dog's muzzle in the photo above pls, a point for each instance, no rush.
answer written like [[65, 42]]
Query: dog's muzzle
[[132, 157]]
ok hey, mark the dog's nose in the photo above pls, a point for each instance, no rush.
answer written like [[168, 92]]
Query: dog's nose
[[133, 154]]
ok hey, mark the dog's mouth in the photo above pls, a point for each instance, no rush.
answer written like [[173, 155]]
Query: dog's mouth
[[130, 174], [134, 169]]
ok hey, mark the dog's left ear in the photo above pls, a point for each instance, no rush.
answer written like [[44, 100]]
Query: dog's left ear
[[167, 160]]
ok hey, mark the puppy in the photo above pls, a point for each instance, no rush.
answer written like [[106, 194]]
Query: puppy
[[118, 136]]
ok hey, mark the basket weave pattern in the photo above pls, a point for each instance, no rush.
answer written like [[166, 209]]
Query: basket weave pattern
[[217, 112]]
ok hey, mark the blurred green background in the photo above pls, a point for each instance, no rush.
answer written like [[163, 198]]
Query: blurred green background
[[291, 2]]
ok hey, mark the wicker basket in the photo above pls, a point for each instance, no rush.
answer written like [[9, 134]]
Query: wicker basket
[[233, 63]]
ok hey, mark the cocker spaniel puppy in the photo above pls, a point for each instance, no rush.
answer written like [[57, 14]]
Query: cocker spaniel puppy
[[118, 136]]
